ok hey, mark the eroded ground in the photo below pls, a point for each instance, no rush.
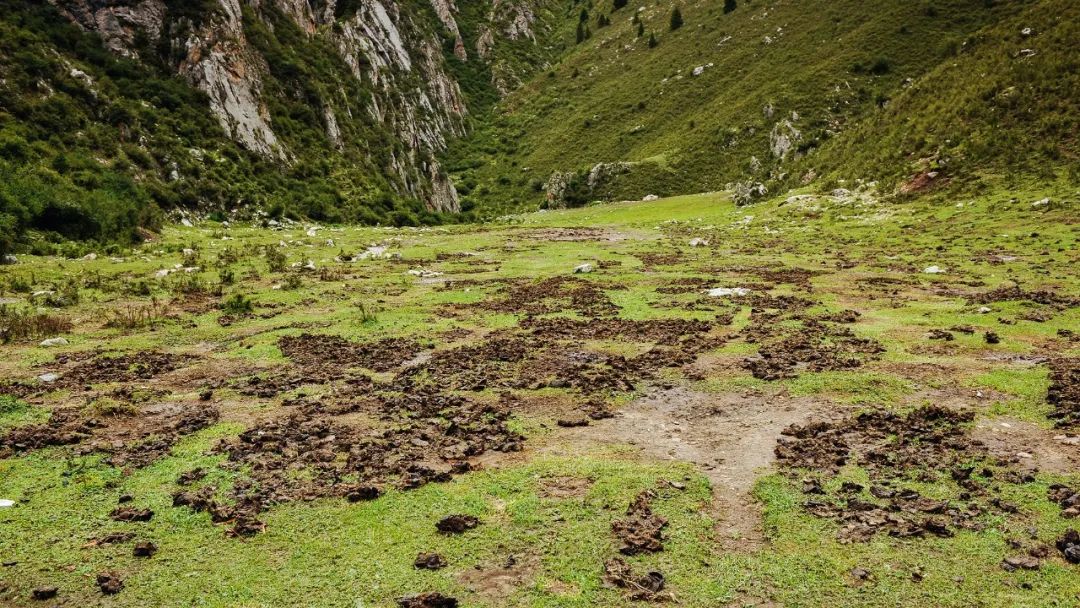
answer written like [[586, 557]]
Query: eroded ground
[[828, 401]]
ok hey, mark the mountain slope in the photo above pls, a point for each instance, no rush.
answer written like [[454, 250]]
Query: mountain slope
[[776, 94], [112, 110]]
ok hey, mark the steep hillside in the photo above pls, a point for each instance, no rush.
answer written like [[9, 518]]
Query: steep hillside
[[772, 95], [112, 110]]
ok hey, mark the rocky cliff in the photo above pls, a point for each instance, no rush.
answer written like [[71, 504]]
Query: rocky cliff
[[394, 53]]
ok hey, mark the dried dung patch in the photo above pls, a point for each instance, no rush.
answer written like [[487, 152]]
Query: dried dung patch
[[133, 440], [555, 294], [930, 444], [122, 368], [641, 531], [427, 438], [1008, 293], [1064, 392], [791, 340], [660, 331], [320, 351]]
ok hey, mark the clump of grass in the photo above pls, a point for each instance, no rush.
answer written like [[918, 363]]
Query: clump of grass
[[238, 304], [109, 407], [293, 281], [367, 315], [275, 259], [20, 323], [134, 316]]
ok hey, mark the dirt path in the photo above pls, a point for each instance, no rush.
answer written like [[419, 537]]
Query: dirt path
[[730, 437]]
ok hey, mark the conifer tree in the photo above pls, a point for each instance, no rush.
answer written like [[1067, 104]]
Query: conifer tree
[[676, 19]]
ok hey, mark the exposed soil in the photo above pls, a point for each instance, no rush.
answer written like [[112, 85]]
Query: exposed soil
[[498, 582], [1026, 446], [729, 437]]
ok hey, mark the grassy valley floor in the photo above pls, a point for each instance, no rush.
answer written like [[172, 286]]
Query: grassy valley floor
[[815, 401]]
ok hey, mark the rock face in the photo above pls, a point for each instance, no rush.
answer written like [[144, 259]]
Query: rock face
[[393, 49]]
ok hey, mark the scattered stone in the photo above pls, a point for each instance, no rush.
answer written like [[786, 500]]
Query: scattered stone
[[583, 269], [727, 292], [54, 342], [456, 524], [933, 270], [650, 197], [6, 504], [49, 377], [699, 242]]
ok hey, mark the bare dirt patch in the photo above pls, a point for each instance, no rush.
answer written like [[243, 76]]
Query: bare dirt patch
[[730, 437], [1026, 446]]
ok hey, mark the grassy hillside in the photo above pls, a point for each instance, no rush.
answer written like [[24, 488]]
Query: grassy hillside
[[857, 89]]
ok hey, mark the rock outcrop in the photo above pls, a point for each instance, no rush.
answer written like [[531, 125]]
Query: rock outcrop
[[393, 50]]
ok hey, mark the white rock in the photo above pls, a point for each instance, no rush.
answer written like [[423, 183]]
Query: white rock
[[1023, 455], [161, 274], [188, 252], [90, 257], [1067, 440], [984, 309], [312, 231], [186, 223], [699, 70], [1027, 31], [651, 197], [6, 504], [699, 242], [9, 259], [1041, 203], [49, 377], [933, 270], [54, 342], [583, 269], [727, 292]]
